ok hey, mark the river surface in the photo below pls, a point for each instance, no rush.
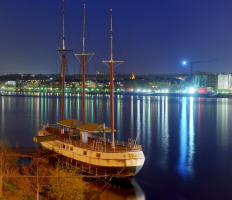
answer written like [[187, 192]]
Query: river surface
[[187, 141]]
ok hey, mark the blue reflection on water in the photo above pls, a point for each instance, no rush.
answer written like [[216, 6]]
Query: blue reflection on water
[[191, 138], [186, 148]]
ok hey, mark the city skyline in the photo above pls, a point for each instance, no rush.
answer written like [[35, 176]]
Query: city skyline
[[152, 37]]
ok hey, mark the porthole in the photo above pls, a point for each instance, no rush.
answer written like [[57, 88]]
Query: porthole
[[84, 153], [98, 155]]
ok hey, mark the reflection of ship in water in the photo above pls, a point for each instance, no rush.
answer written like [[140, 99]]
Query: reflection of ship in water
[[116, 191]]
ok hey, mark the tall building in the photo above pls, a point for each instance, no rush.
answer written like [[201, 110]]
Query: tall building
[[224, 81], [205, 80]]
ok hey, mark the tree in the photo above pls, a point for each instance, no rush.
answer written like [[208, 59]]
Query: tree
[[37, 173], [68, 184], [8, 161]]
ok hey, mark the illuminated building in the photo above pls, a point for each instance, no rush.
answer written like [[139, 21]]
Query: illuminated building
[[224, 81], [132, 77]]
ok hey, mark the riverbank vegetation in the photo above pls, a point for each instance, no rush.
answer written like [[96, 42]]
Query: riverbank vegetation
[[34, 176]]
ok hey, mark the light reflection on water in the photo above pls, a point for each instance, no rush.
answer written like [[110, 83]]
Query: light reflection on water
[[149, 122], [176, 133], [223, 114], [163, 130], [183, 139], [187, 134], [138, 122], [118, 116], [191, 137], [3, 117], [132, 117]]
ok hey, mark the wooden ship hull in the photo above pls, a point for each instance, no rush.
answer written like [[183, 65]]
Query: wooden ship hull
[[92, 156]]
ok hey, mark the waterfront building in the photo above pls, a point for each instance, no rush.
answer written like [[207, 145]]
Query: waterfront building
[[205, 80], [224, 81]]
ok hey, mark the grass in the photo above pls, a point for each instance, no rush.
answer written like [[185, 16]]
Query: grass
[[13, 189]]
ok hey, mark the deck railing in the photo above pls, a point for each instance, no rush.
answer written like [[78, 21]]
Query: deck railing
[[92, 144]]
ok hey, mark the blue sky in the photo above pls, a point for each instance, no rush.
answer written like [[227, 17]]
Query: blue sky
[[151, 36]]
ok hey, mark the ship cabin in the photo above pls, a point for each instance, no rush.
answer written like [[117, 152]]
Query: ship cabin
[[85, 132], [91, 135]]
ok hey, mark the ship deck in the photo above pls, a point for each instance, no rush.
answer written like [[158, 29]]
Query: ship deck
[[93, 143]]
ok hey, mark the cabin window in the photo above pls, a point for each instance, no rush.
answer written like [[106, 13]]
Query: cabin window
[[63, 146], [98, 155], [84, 152], [71, 148]]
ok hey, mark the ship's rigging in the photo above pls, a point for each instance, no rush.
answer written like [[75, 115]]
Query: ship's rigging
[[111, 63], [85, 144]]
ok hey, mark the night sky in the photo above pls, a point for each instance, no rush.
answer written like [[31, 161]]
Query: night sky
[[150, 36]]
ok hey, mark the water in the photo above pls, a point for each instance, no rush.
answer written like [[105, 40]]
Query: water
[[186, 141]]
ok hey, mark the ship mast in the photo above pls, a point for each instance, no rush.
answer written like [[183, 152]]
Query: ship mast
[[83, 67], [83, 55], [63, 62], [111, 62]]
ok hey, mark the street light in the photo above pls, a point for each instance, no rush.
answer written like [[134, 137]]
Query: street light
[[185, 63]]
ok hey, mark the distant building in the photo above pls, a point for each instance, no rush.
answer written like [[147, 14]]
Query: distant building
[[90, 84], [132, 77], [200, 80], [100, 73], [224, 81], [203, 80], [10, 83]]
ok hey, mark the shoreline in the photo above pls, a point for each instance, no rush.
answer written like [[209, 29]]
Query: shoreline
[[138, 94]]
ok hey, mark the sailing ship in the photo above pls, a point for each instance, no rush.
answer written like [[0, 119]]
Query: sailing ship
[[87, 145]]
